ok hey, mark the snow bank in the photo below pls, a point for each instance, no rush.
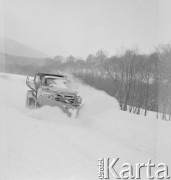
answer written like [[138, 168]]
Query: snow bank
[[96, 101]]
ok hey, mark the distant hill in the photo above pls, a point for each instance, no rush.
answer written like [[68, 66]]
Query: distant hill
[[18, 58], [22, 65], [12, 47]]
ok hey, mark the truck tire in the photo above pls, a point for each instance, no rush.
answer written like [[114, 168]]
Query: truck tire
[[30, 101]]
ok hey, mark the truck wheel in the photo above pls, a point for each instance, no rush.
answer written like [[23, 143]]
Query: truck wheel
[[38, 105], [30, 103]]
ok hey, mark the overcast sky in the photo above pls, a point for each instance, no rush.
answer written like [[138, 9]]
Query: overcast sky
[[80, 27]]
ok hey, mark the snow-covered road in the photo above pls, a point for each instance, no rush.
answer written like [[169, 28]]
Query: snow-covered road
[[46, 144]]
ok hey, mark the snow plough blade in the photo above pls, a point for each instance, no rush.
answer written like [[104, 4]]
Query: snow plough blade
[[72, 112], [78, 110]]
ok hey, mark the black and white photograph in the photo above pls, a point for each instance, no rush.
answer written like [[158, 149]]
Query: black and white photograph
[[85, 89]]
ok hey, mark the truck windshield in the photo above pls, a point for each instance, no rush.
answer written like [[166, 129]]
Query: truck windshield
[[55, 82]]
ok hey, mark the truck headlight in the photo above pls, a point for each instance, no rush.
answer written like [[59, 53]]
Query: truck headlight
[[59, 91], [76, 93], [79, 99]]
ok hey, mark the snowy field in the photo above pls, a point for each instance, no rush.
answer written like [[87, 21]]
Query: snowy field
[[46, 144]]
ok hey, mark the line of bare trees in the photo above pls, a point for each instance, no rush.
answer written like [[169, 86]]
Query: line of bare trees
[[141, 83]]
